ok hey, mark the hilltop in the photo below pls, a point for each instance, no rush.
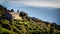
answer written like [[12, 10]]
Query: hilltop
[[12, 22]]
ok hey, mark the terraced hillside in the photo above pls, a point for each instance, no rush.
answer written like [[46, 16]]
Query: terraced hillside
[[27, 25]]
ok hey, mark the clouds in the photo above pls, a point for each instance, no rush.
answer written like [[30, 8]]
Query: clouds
[[42, 3], [1, 1], [34, 3]]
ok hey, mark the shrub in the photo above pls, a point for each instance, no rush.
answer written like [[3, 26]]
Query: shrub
[[5, 33]]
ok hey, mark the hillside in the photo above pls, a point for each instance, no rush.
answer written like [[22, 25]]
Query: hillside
[[26, 25]]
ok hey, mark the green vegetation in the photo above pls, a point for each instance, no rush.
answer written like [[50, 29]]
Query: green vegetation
[[12, 10], [25, 27], [23, 14], [28, 25]]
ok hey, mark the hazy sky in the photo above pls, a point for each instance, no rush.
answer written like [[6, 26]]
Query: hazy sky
[[46, 10]]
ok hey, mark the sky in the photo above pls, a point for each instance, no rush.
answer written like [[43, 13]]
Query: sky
[[46, 10]]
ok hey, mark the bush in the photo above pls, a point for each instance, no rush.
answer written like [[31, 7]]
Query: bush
[[5, 33], [23, 14]]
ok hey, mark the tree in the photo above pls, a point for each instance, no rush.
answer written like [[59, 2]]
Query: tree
[[5, 10], [17, 11], [54, 24], [1, 7], [28, 18], [12, 10], [7, 16], [34, 19], [23, 14]]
